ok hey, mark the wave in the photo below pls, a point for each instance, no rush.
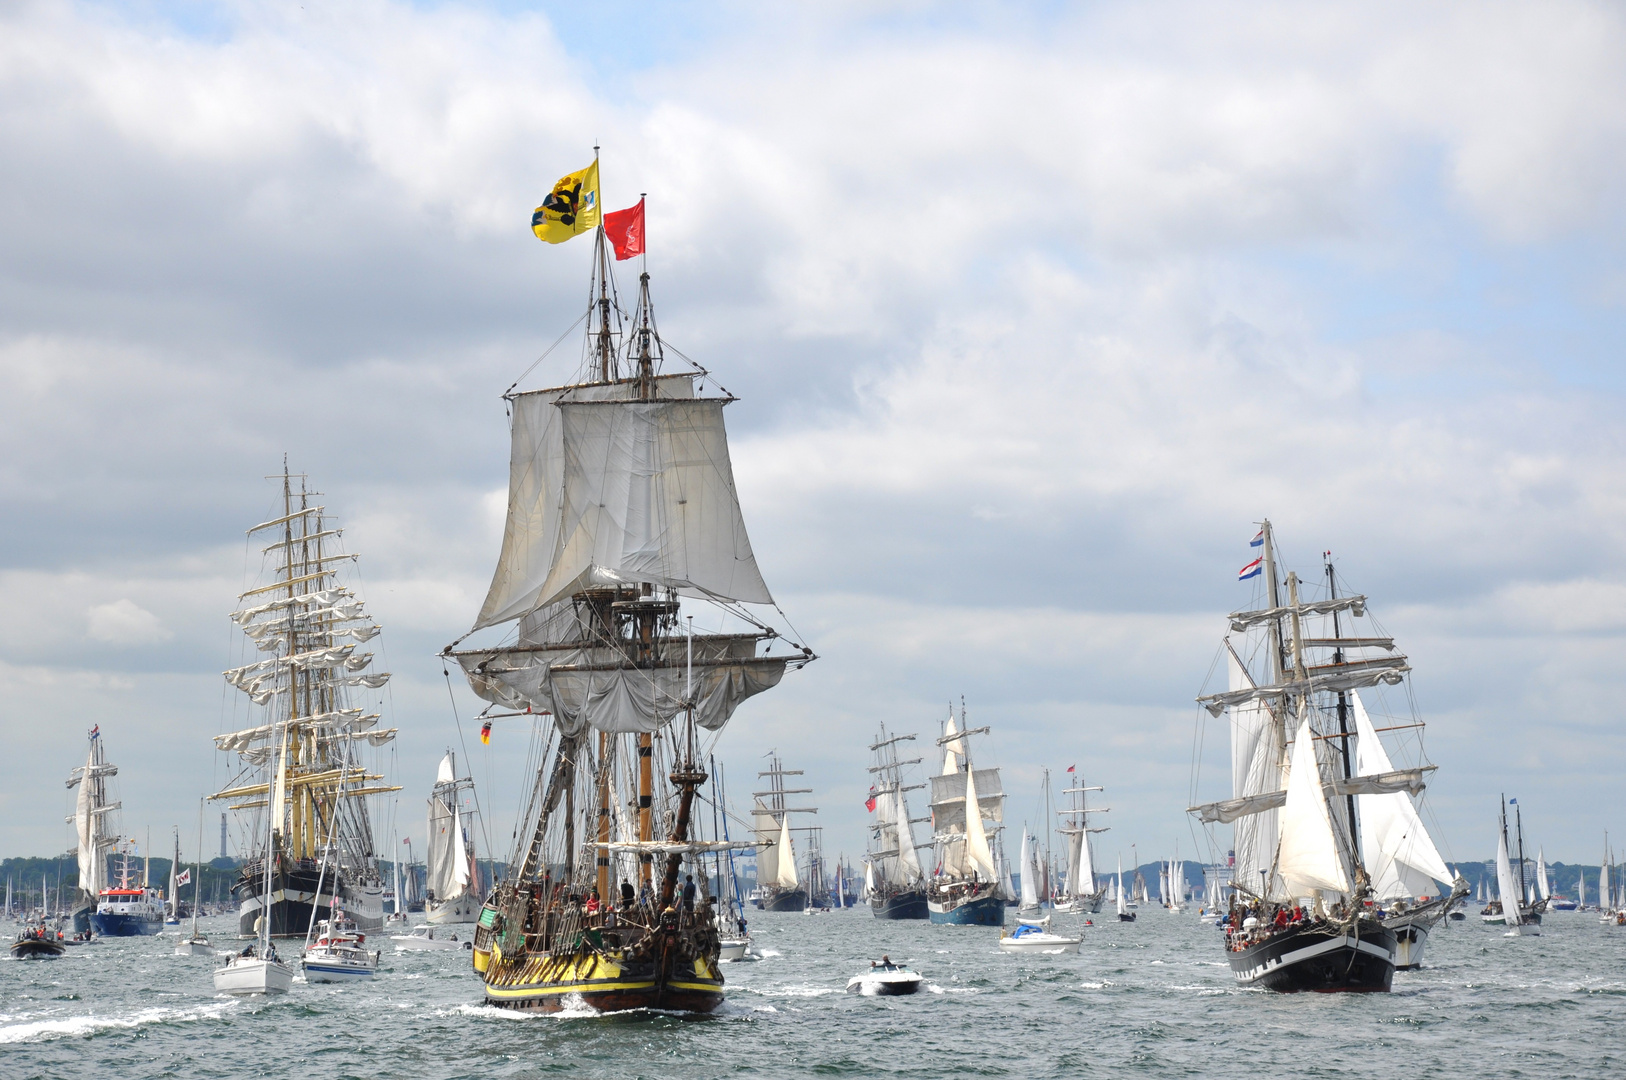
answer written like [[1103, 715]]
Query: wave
[[68, 1027]]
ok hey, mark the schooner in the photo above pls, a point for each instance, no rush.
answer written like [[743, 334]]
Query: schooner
[[895, 881], [453, 884], [1332, 861], [302, 763], [623, 520]]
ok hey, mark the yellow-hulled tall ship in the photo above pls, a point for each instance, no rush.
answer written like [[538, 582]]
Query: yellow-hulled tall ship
[[622, 520]]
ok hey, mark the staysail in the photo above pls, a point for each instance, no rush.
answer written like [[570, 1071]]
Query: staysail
[[1395, 847], [1308, 859], [1030, 876], [787, 878]]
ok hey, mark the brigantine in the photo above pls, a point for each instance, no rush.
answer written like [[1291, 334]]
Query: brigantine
[[452, 880], [302, 764], [92, 825], [779, 886], [621, 501], [1320, 841], [968, 887], [894, 879]]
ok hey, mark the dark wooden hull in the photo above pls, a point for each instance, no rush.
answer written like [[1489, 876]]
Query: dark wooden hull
[[786, 900], [604, 985], [982, 911], [903, 905], [1320, 958]]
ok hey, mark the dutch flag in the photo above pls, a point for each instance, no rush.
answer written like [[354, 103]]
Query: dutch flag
[[1258, 540], [1252, 570]]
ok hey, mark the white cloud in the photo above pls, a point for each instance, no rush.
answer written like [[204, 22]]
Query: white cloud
[[123, 623]]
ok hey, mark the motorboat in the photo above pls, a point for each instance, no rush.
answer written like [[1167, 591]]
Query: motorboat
[[1034, 936], [244, 974], [423, 939], [38, 943], [885, 979], [339, 954]]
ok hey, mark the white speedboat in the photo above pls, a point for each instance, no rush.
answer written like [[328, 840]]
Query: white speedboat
[[1034, 936], [885, 979], [243, 975], [731, 949], [339, 955], [423, 939]]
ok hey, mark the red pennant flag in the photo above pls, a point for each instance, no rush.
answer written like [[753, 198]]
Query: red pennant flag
[[485, 732], [625, 228]]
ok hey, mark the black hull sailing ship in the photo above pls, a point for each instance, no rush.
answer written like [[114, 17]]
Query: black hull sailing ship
[[968, 887], [780, 885], [894, 878], [622, 520], [303, 764], [1333, 865]]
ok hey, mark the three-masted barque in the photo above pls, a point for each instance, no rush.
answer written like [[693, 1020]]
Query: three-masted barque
[[622, 520], [1331, 856], [895, 881], [303, 762], [968, 886]]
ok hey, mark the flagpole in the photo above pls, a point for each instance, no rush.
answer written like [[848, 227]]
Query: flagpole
[[643, 256]]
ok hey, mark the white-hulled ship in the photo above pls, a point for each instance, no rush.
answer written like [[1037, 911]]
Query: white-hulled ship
[[1084, 893], [303, 763], [623, 518], [968, 887], [453, 889], [1319, 841], [896, 882], [93, 828]]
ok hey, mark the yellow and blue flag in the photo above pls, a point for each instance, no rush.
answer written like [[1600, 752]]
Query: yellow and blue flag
[[572, 207]]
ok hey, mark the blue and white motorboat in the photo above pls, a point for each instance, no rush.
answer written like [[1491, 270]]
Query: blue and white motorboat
[[339, 954]]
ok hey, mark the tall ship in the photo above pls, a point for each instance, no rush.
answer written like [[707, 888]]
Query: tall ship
[[895, 881], [1333, 864], [1082, 891], [968, 886], [92, 823], [780, 885], [316, 714], [454, 894], [623, 526]]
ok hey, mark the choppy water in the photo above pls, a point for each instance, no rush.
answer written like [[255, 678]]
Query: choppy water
[[1154, 996]]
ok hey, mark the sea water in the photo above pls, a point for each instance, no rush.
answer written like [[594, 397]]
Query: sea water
[[1152, 998]]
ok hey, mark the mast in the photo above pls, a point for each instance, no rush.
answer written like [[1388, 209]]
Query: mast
[[1343, 706]]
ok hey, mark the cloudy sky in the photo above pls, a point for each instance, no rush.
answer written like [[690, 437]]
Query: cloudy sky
[[1032, 311]]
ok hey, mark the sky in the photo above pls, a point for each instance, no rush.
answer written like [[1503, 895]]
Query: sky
[[1032, 312]]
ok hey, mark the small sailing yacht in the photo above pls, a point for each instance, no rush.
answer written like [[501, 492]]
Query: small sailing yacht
[[258, 969], [1124, 914], [1510, 889], [1034, 936], [195, 944]]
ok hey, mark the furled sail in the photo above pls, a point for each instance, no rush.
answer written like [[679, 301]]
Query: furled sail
[[787, 860], [1308, 858], [1395, 847], [1241, 621], [586, 685], [1353, 675], [605, 489]]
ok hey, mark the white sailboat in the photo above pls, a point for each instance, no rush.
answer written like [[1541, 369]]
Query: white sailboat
[[173, 900], [1124, 914], [1510, 890], [453, 887], [195, 944], [1084, 893], [258, 970], [1029, 902]]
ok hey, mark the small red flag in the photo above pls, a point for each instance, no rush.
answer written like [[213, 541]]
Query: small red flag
[[869, 803], [625, 228], [1070, 768], [485, 732]]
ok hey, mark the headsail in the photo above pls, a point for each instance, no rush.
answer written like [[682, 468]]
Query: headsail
[[1395, 847], [1308, 857]]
